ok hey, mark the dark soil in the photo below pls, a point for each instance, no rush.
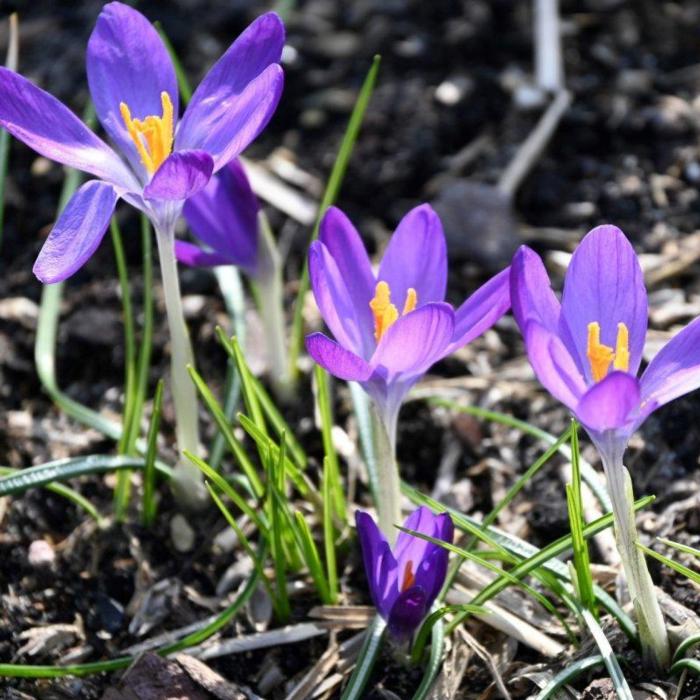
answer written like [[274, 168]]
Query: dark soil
[[625, 153]]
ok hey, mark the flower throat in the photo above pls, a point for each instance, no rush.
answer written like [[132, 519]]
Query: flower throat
[[153, 137], [601, 356], [384, 312]]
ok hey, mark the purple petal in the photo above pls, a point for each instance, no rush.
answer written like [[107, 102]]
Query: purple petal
[[227, 127], [181, 175], [127, 62], [611, 403], [194, 256], [444, 527], [553, 365], [604, 283], [343, 314], [411, 548], [415, 341], [374, 556], [337, 360], [344, 245], [77, 233], [238, 96], [428, 560], [676, 368], [416, 257], [531, 292], [51, 129], [431, 573], [224, 216], [481, 310], [407, 612]]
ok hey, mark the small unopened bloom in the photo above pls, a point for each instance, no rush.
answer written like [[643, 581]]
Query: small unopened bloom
[[405, 580], [390, 327], [224, 217]]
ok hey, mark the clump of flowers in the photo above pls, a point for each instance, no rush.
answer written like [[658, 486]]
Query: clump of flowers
[[161, 160]]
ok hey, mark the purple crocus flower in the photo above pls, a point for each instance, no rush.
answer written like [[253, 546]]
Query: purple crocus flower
[[587, 350], [224, 217], [390, 327], [164, 160], [404, 581]]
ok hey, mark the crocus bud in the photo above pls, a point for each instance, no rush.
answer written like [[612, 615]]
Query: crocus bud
[[404, 581]]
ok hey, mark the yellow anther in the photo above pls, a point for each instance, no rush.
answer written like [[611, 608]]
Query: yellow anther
[[622, 351], [411, 301], [409, 577], [602, 356], [384, 312], [153, 137]]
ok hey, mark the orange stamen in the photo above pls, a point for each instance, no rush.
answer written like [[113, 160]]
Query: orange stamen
[[602, 356], [385, 313], [409, 577], [622, 352], [411, 301], [153, 137]]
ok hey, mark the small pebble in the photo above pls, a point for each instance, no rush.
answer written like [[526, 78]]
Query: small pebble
[[41, 554], [181, 533], [451, 92], [411, 47], [41, 166], [312, 118], [193, 305], [692, 171]]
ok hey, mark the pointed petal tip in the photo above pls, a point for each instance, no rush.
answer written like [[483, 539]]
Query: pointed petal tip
[[416, 257], [605, 230], [334, 218], [336, 359], [445, 527], [77, 233], [274, 25]]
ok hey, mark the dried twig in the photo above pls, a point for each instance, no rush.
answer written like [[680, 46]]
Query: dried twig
[[261, 640], [549, 73]]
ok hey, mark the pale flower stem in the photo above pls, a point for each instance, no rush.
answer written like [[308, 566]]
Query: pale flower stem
[[652, 628], [389, 482], [270, 304], [187, 479]]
